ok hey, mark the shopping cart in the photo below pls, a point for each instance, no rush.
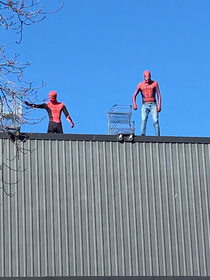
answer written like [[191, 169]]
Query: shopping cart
[[119, 121]]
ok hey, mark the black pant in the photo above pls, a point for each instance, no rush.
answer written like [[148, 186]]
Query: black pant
[[54, 127]]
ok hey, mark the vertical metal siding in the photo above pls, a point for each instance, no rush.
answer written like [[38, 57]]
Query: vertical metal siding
[[103, 208]]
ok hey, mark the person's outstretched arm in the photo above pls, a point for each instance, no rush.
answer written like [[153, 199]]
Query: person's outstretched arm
[[40, 106]]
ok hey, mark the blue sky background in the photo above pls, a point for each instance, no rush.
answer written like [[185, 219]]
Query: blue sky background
[[94, 53]]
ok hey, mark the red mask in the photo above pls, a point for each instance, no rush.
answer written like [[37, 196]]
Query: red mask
[[53, 96], [147, 76]]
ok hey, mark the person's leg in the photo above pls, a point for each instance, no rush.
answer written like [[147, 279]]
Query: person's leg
[[50, 127], [154, 113], [59, 128], [144, 117]]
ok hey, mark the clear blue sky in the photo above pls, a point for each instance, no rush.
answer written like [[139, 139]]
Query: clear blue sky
[[94, 53]]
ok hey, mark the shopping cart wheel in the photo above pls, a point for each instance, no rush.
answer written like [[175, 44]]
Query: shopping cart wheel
[[125, 136], [130, 137], [120, 137]]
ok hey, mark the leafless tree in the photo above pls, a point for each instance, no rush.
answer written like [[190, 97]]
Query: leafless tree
[[14, 16]]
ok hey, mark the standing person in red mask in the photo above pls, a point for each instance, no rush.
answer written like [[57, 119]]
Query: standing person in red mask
[[54, 110], [148, 89]]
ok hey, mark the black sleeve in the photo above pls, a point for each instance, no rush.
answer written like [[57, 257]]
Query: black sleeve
[[65, 111], [40, 106]]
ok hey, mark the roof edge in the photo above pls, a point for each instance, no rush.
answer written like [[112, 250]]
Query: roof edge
[[105, 138]]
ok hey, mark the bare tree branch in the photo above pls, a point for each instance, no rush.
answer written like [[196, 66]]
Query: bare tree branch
[[21, 14], [15, 15]]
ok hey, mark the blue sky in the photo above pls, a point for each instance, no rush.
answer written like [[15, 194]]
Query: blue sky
[[94, 53]]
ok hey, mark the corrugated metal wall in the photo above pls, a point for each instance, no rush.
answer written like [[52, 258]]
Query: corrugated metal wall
[[105, 208]]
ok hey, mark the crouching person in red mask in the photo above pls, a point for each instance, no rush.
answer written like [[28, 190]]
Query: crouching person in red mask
[[54, 110]]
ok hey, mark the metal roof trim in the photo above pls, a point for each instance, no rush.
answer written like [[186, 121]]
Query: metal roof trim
[[109, 138]]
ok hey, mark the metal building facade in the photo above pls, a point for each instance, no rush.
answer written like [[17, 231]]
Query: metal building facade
[[91, 206]]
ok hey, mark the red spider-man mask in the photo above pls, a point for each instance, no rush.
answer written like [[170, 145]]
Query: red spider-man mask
[[53, 96], [147, 76]]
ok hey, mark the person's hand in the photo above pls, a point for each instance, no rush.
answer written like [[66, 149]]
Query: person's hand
[[158, 109], [135, 107], [70, 120], [27, 103]]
